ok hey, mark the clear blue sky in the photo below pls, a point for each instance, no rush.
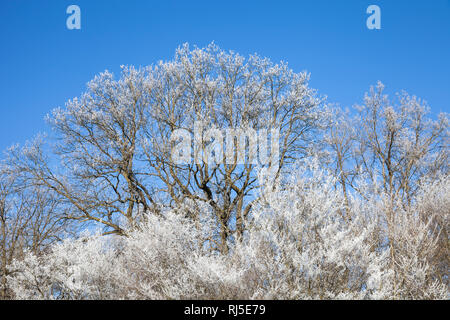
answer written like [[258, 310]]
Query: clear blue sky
[[43, 64]]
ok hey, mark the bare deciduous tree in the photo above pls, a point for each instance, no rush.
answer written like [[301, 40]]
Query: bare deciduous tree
[[115, 142], [30, 220], [210, 88]]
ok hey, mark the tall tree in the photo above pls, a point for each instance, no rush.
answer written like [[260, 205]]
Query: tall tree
[[116, 141]]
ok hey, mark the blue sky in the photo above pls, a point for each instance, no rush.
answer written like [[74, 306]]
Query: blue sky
[[43, 64]]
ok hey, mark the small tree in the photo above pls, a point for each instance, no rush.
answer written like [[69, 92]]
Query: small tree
[[30, 220]]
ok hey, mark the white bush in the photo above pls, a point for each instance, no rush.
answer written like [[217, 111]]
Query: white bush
[[298, 245]]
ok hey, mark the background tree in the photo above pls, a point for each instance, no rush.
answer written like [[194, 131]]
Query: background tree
[[97, 145], [30, 220], [394, 148]]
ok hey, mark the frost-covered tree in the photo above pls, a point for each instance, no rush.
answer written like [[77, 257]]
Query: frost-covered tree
[[115, 142], [210, 88], [398, 144], [96, 147], [396, 149], [30, 219]]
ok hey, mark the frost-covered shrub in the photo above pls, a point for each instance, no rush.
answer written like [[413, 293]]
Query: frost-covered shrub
[[301, 246], [84, 268], [302, 242], [167, 259]]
